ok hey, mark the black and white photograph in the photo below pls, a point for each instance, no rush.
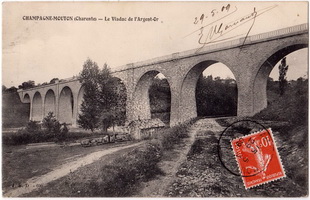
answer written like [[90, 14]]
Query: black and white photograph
[[198, 99]]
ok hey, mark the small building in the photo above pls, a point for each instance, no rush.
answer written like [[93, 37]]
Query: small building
[[145, 128]]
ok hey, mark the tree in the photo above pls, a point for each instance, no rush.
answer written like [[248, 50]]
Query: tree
[[27, 85], [216, 96], [120, 107], [9, 90], [103, 103], [54, 80], [4, 88], [282, 76], [51, 124], [89, 78], [109, 99]]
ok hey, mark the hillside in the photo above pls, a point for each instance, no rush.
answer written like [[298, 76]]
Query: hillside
[[14, 112]]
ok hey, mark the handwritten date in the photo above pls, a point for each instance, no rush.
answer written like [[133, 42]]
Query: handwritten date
[[212, 13]]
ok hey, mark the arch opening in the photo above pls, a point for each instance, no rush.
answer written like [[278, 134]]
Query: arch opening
[[37, 107], [26, 98], [266, 85], [208, 90], [50, 103], [66, 104], [27, 102], [152, 97]]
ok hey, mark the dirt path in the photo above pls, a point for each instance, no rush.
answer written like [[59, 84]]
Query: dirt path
[[203, 174], [62, 171], [158, 187]]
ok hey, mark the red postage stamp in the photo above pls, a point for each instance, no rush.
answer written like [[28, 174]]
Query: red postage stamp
[[258, 158]]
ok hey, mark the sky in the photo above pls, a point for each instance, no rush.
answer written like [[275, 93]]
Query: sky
[[40, 50], [297, 62]]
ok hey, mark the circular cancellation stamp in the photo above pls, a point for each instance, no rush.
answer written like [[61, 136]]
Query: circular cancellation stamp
[[256, 153]]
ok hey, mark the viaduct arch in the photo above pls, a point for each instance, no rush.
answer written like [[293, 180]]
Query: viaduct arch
[[37, 108], [49, 102], [250, 59], [188, 87], [141, 108], [260, 81], [66, 103]]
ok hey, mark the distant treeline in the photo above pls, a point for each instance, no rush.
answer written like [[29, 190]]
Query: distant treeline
[[214, 97]]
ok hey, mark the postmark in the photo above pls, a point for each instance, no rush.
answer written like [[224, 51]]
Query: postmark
[[258, 159]]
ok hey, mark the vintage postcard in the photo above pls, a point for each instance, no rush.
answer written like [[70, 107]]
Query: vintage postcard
[[155, 99]]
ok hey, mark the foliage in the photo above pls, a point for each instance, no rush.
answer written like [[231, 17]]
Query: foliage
[[54, 80], [104, 98], [292, 106], [160, 98], [54, 128], [50, 131], [64, 129], [89, 78], [120, 106], [283, 67], [14, 112], [216, 96], [108, 98], [123, 175], [119, 177], [33, 127], [27, 85], [6, 90], [51, 124], [170, 137]]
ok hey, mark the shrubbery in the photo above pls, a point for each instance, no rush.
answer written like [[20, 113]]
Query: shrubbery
[[49, 131], [119, 178], [170, 137], [291, 107]]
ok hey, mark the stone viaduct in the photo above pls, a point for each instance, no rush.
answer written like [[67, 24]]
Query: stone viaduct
[[250, 59]]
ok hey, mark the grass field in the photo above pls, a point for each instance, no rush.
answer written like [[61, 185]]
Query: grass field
[[20, 164], [77, 183]]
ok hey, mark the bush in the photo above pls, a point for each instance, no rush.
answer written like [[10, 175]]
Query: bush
[[32, 127], [291, 107], [51, 124], [172, 136], [24, 136], [52, 131], [119, 178], [123, 175]]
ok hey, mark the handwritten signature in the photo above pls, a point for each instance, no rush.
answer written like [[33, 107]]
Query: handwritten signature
[[216, 28]]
